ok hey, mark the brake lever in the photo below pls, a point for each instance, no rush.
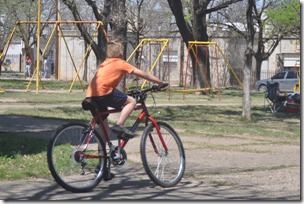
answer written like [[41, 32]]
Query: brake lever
[[155, 87]]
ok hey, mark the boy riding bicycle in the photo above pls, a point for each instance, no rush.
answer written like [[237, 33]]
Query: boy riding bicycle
[[102, 89]]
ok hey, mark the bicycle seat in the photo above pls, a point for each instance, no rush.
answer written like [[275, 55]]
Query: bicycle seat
[[89, 104]]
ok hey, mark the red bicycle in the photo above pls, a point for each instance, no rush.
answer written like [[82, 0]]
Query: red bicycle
[[78, 158]]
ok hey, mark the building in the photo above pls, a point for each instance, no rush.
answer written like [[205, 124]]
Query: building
[[173, 63]]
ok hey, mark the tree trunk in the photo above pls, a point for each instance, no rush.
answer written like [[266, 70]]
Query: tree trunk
[[182, 60], [85, 70], [246, 113], [258, 69], [199, 29], [119, 28], [99, 48], [197, 32]]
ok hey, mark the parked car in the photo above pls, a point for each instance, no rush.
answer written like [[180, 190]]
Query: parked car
[[286, 79]]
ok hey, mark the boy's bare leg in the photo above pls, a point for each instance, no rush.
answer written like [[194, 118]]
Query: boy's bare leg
[[107, 129], [126, 111], [107, 174], [124, 114]]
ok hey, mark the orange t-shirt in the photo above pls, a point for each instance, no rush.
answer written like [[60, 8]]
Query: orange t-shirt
[[108, 76]]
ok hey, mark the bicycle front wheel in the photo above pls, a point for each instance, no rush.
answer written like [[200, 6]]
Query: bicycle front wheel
[[164, 162], [76, 157]]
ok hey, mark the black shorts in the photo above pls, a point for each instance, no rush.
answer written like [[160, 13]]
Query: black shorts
[[116, 99]]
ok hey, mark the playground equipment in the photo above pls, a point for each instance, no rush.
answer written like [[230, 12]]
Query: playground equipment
[[214, 62], [146, 44], [57, 26], [297, 87], [214, 58], [144, 50]]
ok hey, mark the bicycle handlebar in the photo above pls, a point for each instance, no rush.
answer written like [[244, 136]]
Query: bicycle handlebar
[[141, 95]]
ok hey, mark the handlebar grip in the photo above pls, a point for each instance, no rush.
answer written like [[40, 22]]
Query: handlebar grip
[[164, 85], [159, 88]]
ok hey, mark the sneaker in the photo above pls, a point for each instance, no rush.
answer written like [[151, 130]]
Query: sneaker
[[97, 168], [106, 176], [119, 129]]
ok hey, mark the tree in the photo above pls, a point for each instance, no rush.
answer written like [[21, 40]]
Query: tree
[[263, 23], [248, 55], [99, 47], [269, 32], [284, 17], [26, 11], [193, 27], [136, 23], [273, 20], [140, 21], [252, 22], [112, 13]]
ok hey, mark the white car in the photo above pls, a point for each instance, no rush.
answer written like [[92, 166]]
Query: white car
[[286, 79]]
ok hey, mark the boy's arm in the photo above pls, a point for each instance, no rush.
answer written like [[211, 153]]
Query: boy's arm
[[148, 77]]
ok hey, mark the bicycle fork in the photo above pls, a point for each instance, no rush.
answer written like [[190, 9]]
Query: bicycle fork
[[145, 114], [161, 151], [160, 137]]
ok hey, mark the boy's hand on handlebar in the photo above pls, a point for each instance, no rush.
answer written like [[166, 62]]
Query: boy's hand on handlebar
[[165, 84], [161, 85]]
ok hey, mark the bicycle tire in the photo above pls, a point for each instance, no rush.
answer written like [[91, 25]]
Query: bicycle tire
[[65, 161], [164, 170]]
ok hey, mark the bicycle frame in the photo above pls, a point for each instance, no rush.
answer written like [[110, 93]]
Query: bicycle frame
[[144, 114]]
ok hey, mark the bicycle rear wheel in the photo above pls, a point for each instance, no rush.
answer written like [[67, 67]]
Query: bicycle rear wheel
[[165, 168], [76, 158]]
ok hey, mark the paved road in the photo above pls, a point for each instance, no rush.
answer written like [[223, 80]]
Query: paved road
[[203, 180]]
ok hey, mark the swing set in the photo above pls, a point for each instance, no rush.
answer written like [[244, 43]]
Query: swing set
[[145, 45], [193, 46], [144, 48], [57, 26], [214, 61]]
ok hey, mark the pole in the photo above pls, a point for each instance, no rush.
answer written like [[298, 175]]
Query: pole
[[38, 48], [57, 43], [301, 53]]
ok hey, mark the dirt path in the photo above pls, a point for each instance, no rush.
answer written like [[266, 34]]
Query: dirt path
[[228, 168]]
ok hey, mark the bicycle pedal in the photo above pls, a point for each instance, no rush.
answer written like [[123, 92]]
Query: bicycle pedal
[[123, 136]]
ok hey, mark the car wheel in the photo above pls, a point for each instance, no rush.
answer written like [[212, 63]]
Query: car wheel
[[262, 88]]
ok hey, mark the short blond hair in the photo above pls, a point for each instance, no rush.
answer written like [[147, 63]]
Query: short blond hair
[[114, 49]]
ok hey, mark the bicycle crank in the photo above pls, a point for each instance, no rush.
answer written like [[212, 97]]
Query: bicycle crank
[[118, 159]]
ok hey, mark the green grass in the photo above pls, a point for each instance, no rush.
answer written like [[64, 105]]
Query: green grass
[[43, 85], [23, 156]]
